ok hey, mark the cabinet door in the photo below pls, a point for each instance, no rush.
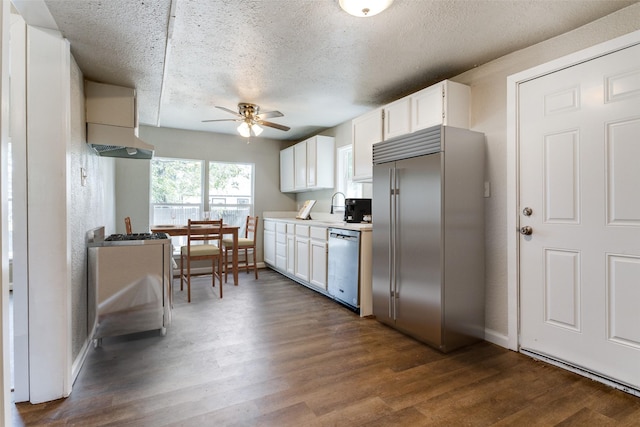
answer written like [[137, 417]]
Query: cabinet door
[[281, 246], [318, 267], [291, 254], [427, 107], [397, 118], [269, 243], [367, 130], [286, 170], [312, 160], [300, 165], [302, 257]]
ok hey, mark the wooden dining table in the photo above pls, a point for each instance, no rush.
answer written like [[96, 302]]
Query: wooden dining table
[[182, 230]]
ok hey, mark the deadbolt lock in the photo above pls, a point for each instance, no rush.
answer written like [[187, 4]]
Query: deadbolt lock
[[527, 211]]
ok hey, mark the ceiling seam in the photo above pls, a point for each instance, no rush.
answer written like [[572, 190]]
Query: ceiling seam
[[167, 49]]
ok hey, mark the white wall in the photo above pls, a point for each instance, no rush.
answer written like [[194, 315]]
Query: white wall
[[133, 176], [93, 206], [488, 114]]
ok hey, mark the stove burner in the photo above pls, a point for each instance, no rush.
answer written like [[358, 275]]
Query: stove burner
[[136, 236]]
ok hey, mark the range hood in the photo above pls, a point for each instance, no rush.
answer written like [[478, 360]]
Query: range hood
[[112, 122], [116, 141]]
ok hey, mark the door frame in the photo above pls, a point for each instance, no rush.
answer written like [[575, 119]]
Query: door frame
[[513, 172]]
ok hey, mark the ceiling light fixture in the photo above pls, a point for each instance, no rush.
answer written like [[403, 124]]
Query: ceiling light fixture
[[245, 129], [364, 8]]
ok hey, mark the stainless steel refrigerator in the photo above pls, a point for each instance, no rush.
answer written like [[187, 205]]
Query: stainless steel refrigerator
[[428, 235]]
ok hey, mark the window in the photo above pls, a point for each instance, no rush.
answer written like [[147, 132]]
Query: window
[[231, 192], [345, 173], [178, 189]]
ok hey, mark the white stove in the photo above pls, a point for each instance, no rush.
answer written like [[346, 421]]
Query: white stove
[[130, 283]]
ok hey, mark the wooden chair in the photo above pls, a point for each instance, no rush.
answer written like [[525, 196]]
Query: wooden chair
[[127, 225], [204, 242], [246, 243]]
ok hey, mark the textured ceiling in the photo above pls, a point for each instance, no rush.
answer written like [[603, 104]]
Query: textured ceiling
[[306, 58]]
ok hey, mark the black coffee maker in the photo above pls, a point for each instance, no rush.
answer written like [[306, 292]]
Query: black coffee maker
[[355, 210]]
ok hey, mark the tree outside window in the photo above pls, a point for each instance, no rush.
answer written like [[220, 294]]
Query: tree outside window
[[179, 192]]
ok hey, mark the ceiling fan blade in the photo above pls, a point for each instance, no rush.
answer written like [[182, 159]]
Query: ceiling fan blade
[[223, 120], [235, 113], [273, 125], [269, 114]]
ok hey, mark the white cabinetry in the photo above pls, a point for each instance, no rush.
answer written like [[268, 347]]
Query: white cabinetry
[[291, 249], [318, 257], [286, 170], [302, 252], [299, 250], [300, 166], [269, 242], [445, 103], [397, 118], [320, 162], [308, 165], [281, 245], [366, 131]]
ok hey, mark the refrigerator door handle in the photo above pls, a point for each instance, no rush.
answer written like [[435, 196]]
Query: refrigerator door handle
[[395, 226], [391, 246]]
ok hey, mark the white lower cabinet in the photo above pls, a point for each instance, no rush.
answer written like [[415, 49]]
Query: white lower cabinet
[[318, 257], [269, 242], [298, 251], [291, 249], [302, 252], [281, 245]]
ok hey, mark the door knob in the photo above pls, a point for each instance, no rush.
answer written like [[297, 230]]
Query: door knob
[[527, 211], [526, 230]]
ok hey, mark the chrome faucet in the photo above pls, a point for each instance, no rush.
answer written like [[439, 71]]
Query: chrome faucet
[[332, 197]]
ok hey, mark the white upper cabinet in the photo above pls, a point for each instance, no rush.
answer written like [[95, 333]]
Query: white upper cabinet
[[308, 165], [300, 162], [445, 103], [366, 131], [320, 162], [286, 170], [397, 118]]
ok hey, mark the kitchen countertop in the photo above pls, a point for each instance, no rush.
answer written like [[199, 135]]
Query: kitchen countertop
[[320, 221]]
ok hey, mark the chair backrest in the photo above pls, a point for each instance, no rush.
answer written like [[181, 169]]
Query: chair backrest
[[251, 229], [127, 225], [204, 232]]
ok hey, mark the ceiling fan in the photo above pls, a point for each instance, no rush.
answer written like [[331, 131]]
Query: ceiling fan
[[251, 119]]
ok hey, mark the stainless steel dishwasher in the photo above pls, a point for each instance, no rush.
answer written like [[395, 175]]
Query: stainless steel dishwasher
[[344, 266]]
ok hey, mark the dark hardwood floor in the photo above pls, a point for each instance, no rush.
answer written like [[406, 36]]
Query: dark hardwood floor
[[273, 353]]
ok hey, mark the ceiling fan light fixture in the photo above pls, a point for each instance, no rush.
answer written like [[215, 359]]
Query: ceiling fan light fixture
[[364, 8], [257, 130], [244, 130]]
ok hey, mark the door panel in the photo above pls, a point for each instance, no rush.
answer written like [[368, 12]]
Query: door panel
[[579, 269], [561, 178], [381, 241], [418, 246], [623, 173]]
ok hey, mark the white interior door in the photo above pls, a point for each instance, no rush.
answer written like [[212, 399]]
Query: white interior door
[[579, 162]]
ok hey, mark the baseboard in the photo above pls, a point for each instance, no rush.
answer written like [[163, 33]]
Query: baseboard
[[76, 367], [496, 338]]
